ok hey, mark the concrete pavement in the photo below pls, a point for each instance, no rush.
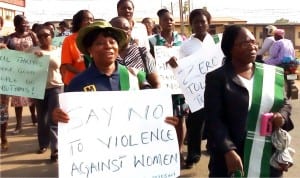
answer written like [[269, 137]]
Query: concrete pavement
[[21, 159]]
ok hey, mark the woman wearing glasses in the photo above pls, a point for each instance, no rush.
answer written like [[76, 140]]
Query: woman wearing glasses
[[236, 96], [47, 130]]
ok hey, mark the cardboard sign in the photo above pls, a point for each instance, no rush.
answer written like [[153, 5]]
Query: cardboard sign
[[23, 74], [58, 41], [117, 134], [191, 72], [162, 55]]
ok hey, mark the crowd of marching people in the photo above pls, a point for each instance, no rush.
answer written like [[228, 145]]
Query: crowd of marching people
[[237, 93]]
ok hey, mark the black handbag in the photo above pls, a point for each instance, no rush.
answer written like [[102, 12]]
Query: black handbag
[[288, 125]]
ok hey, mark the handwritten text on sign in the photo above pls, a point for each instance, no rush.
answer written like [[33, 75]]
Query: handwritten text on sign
[[23, 74], [191, 72], [117, 134], [162, 55]]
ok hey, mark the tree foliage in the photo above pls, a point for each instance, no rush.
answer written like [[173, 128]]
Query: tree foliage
[[282, 21]]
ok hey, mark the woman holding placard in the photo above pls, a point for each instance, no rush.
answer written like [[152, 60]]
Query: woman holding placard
[[168, 37], [102, 42], [47, 130], [22, 39], [204, 46]]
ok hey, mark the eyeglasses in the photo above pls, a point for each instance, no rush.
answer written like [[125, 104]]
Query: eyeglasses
[[126, 29], [44, 35], [247, 43]]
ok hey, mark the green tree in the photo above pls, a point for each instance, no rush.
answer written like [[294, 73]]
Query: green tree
[[282, 21]]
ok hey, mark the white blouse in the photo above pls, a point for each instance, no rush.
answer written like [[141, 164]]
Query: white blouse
[[249, 86]]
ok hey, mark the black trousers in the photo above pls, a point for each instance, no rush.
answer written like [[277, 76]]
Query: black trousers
[[195, 128]]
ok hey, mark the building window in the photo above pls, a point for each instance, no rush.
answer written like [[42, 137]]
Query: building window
[[1, 12], [9, 14]]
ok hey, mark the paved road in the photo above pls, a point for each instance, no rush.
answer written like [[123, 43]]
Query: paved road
[[22, 161]]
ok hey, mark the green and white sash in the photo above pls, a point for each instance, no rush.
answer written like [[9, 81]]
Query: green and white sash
[[268, 95], [130, 81]]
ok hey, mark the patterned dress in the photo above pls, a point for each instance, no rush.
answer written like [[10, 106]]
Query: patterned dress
[[4, 99], [15, 42]]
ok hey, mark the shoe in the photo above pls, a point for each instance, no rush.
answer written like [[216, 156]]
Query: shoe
[[4, 146], [41, 150], [190, 161], [17, 131], [188, 165], [195, 159], [54, 156]]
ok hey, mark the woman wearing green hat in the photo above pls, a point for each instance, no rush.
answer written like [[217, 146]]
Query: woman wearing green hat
[[102, 43]]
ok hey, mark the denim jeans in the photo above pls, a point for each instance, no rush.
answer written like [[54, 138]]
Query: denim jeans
[[47, 129]]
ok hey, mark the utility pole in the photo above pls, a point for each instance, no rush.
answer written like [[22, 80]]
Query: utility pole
[[189, 7], [181, 17]]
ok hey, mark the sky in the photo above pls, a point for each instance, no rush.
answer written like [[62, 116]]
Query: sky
[[254, 11]]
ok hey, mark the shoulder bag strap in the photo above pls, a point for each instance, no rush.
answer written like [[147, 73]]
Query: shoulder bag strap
[[143, 56]]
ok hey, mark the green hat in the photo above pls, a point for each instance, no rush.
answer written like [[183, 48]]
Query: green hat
[[119, 34]]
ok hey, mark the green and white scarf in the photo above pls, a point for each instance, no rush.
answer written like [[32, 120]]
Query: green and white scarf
[[268, 95]]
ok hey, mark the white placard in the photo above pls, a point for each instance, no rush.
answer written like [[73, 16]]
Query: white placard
[[117, 134], [167, 78], [191, 72], [23, 74]]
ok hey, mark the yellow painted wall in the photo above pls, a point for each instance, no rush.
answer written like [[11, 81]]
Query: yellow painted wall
[[259, 31], [297, 39]]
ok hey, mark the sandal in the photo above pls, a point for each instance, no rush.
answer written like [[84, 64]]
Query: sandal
[[4, 146], [41, 150]]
